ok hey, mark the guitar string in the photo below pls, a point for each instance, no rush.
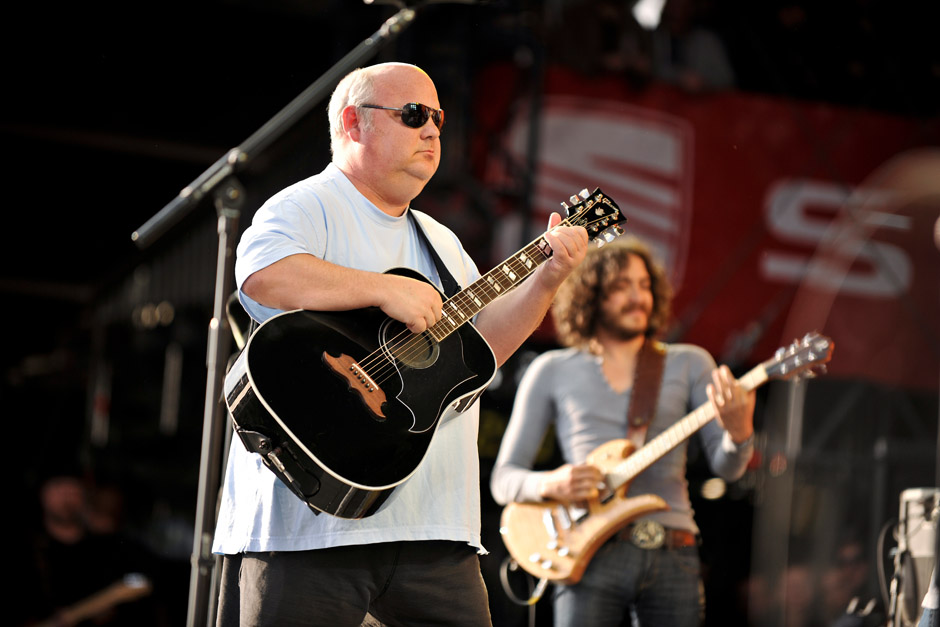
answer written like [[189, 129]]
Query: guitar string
[[414, 344], [407, 345], [486, 286], [686, 427], [627, 469], [411, 345], [462, 303]]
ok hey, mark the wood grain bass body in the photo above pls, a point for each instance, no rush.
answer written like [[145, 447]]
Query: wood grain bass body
[[556, 548]]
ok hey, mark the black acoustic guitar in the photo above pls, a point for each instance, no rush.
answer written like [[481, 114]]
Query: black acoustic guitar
[[342, 406]]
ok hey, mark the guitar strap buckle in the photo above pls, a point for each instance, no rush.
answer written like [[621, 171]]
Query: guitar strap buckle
[[648, 534]]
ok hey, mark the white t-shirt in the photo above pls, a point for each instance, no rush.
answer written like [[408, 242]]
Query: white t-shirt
[[325, 215]]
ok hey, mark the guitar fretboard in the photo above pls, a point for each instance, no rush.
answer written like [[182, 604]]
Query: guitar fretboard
[[672, 437], [597, 212], [470, 301]]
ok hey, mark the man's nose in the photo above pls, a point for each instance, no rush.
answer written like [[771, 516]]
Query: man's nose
[[430, 129]]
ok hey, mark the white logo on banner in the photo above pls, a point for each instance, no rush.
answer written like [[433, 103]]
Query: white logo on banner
[[799, 211], [640, 158]]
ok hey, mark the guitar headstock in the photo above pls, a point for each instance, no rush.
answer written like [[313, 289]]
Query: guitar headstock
[[803, 358], [597, 213]]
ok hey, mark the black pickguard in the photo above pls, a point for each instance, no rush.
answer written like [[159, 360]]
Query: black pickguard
[[285, 362]]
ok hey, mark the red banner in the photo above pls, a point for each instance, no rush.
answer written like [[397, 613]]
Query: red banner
[[774, 217]]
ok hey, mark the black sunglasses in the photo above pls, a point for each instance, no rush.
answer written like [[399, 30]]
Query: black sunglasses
[[415, 114]]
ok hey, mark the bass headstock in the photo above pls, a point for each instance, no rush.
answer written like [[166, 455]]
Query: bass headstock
[[803, 358], [597, 213]]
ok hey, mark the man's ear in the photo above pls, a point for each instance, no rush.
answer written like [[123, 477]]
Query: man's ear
[[351, 122]]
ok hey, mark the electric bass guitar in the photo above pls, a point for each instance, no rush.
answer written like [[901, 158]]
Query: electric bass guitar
[[556, 541], [342, 406]]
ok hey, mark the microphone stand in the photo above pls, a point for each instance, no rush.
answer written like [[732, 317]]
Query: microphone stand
[[221, 182]]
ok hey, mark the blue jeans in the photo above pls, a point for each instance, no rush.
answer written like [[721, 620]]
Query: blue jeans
[[662, 586], [928, 618]]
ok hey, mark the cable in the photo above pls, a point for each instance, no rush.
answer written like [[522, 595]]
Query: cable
[[882, 579], [535, 593]]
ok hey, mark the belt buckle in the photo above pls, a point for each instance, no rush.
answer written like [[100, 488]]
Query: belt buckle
[[648, 534]]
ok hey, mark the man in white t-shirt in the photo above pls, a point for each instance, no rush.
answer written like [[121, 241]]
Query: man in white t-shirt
[[323, 245]]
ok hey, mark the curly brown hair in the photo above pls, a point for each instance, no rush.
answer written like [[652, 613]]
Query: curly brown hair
[[577, 304]]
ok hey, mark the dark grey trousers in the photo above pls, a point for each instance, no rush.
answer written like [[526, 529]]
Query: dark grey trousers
[[398, 583]]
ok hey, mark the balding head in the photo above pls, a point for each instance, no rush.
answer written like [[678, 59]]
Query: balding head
[[387, 160], [359, 87]]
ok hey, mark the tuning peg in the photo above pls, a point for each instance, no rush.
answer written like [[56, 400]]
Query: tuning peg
[[584, 193], [609, 235], [564, 205], [574, 199]]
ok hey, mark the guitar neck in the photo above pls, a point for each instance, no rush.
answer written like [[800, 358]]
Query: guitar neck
[[597, 213], [675, 435], [470, 301]]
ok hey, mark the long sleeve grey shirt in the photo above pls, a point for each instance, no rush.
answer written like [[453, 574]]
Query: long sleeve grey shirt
[[567, 388]]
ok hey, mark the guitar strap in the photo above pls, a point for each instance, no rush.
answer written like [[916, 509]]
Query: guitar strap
[[647, 380], [447, 280]]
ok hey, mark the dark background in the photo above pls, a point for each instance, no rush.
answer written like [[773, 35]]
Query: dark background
[[111, 108]]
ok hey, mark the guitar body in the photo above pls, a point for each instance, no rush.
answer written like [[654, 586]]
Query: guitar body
[[325, 434], [555, 542]]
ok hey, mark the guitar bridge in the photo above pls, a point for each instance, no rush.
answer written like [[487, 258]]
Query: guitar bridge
[[346, 368]]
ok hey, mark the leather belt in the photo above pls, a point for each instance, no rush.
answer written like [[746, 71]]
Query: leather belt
[[649, 534]]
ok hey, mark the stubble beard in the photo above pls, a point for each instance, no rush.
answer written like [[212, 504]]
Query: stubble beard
[[615, 327]]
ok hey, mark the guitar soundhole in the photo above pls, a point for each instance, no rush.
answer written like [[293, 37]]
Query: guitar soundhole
[[406, 348]]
